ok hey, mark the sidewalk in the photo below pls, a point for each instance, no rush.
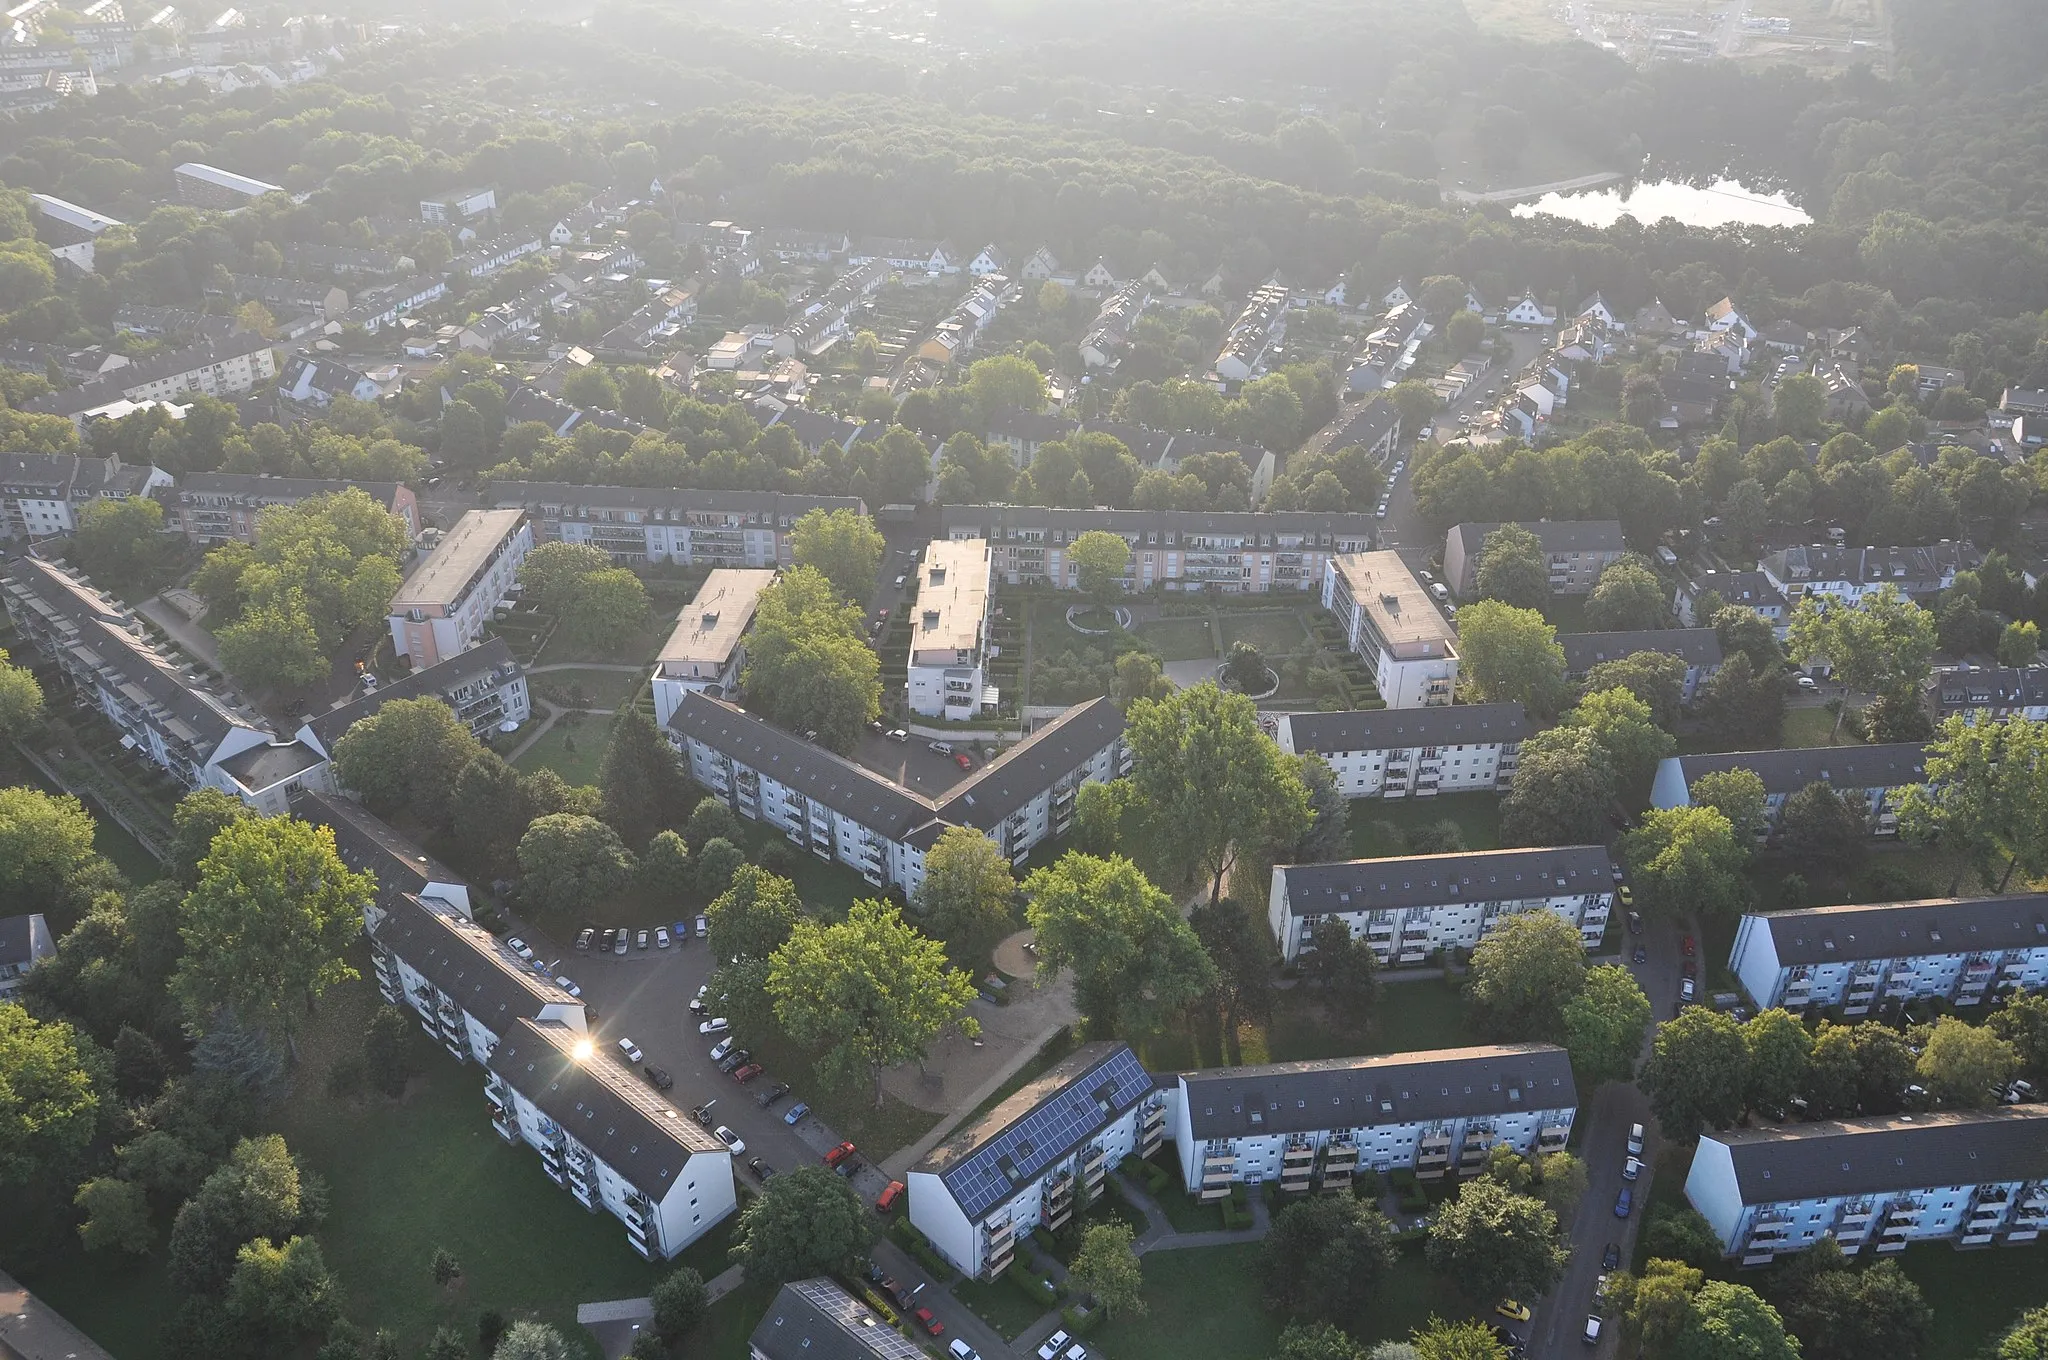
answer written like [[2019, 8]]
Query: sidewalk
[[616, 1323]]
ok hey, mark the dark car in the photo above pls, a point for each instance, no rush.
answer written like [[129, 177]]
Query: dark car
[[604, 945], [583, 940], [772, 1094], [1641, 955], [734, 1060], [760, 1168], [1612, 1257], [661, 1079], [1625, 1202], [702, 1114]]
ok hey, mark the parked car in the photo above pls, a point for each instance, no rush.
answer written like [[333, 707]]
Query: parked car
[[944, 748], [898, 734], [702, 1114], [795, 1114], [1626, 895], [839, 1154], [760, 1168], [964, 761], [730, 1139], [900, 580], [583, 940], [960, 1350], [659, 1076], [625, 940], [887, 1200], [1611, 1258], [734, 1060], [1687, 947], [640, 940], [926, 1320], [571, 988], [715, 1026], [1641, 955], [605, 941], [723, 1047], [661, 937], [1635, 924], [1688, 988], [770, 1095], [1054, 1344], [1635, 1140], [1691, 968], [698, 1005], [1512, 1311], [1632, 1168], [746, 1072], [1625, 1202], [1591, 1336], [631, 1050], [703, 926], [519, 947]]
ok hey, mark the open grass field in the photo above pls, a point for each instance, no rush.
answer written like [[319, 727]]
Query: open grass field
[[1179, 639], [637, 650], [582, 688], [1377, 825], [572, 748], [1275, 634], [1411, 1016]]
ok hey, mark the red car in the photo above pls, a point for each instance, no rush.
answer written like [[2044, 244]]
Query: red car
[[1686, 946], [839, 1154], [743, 1075], [963, 760], [928, 1322], [886, 1202]]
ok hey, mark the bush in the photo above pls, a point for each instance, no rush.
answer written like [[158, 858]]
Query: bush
[[914, 1242], [348, 1077], [1079, 1320], [1042, 1292]]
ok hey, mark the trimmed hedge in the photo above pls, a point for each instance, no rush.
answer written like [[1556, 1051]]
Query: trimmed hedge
[[1081, 1321], [1042, 1292], [914, 1242]]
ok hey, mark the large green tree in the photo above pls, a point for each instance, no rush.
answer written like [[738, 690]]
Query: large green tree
[[1686, 862], [21, 700], [1496, 1243], [805, 1222], [809, 666], [1564, 786], [1986, 796], [754, 917], [550, 572], [568, 860], [1780, 1055], [200, 816], [257, 1193], [1514, 569], [407, 755], [1511, 654], [282, 1295], [1108, 1271], [1524, 972], [842, 544], [1136, 961], [1966, 1065], [1603, 1026], [51, 1082], [1627, 598], [1883, 645], [1737, 795], [1697, 1073], [1657, 678], [46, 853], [1634, 743], [1324, 1259], [1820, 827], [1343, 970], [643, 784], [1100, 560], [968, 897], [1839, 1313]]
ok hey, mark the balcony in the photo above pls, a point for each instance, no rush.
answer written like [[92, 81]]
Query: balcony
[[1297, 1164], [1218, 1171], [1059, 1201], [1151, 1130], [1432, 1157], [1553, 1138], [1093, 1167], [1340, 1160]]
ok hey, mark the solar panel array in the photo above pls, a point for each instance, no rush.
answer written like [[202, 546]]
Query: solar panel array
[[1050, 1131]]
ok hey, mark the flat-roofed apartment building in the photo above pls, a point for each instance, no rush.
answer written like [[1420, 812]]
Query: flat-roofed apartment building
[[839, 810], [1871, 778], [662, 524], [209, 186], [1577, 551], [1962, 950], [1036, 1159], [949, 620], [1975, 1178], [1312, 1125], [1698, 648], [1234, 552], [441, 609], [706, 652], [1410, 906], [220, 507], [1390, 621], [1412, 752]]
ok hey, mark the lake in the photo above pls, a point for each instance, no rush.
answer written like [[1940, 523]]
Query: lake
[[1723, 203]]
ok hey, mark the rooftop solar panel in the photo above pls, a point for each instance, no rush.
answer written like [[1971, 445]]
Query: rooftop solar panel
[[1047, 1133]]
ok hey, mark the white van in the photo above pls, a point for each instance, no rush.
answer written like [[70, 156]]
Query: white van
[[1436, 588]]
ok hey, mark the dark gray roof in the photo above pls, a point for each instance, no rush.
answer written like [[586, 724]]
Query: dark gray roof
[[983, 1163], [1367, 427], [260, 767], [1839, 767], [1749, 588], [464, 961], [989, 521], [817, 1320], [1700, 647], [1958, 689], [777, 506], [1556, 535], [1395, 1088], [1887, 1153], [1033, 765], [1383, 729], [491, 656], [1432, 880], [1941, 925], [602, 1105], [24, 939], [367, 845], [261, 489], [71, 400], [1917, 568]]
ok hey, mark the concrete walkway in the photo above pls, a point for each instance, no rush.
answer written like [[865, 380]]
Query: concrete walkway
[[616, 1323], [1161, 1235], [32, 1329]]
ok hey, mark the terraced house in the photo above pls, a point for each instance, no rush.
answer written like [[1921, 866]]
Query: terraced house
[[1314, 1125], [1975, 1178], [1962, 950], [661, 524], [1412, 752], [1408, 907]]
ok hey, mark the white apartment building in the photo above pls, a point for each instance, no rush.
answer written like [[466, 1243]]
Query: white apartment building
[[208, 186], [949, 631], [845, 812], [1698, 648], [706, 652], [817, 1319], [1389, 619], [1231, 551], [1851, 574], [1412, 752], [465, 986], [1577, 550], [1871, 778], [42, 493], [1035, 1159], [441, 609], [1311, 1125], [1975, 1178], [608, 1137], [458, 206], [219, 368], [1410, 906], [686, 525], [368, 845], [1963, 950]]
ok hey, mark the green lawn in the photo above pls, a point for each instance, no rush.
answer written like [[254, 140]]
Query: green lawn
[[1274, 634], [1000, 1304], [1179, 639], [1567, 613], [724, 1332], [582, 688], [1975, 1294], [1477, 816], [638, 649], [1414, 1016], [1411, 1016], [1810, 727], [573, 748]]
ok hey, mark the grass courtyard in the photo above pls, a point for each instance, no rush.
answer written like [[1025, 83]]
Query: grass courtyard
[[1422, 1014], [1179, 639], [573, 748], [1378, 825]]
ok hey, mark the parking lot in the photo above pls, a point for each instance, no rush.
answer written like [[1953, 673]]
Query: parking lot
[[915, 765]]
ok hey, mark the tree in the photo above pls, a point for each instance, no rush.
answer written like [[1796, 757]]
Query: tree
[[391, 1048], [1005, 382], [1799, 405], [842, 544], [408, 755], [866, 993], [1561, 1181], [120, 539], [1627, 597], [1511, 654], [1209, 784], [1514, 569], [1731, 1322], [465, 442], [805, 1222], [1100, 560], [1744, 708], [200, 816], [1737, 795], [1135, 960], [1523, 973], [1818, 826], [21, 699], [568, 859], [1883, 645], [1108, 1271], [446, 1344], [256, 1193], [680, 1301], [2023, 1022], [267, 926], [1966, 1065], [1329, 832], [968, 897], [1843, 1314], [606, 609], [1780, 1053], [712, 819], [532, 1341], [45, 849], [1564, 785], [716, 865], [1441, 1340], [1985, 795], [1686, 862], [1495, 1243], [1324, 1259], [754, 916], [809, 666], [1634, 744], [489, 807], [1415, 402], [1139, 676], [2026, 1339], [1656, 678], [1241, 947], [550, 573], [282, 1294], [1315, 1341], [1746, 631], [643, 784], [1697, 1073], [1603, 1026], [1682, 1234], [1245, 669], [1343, 970], [275, 643]]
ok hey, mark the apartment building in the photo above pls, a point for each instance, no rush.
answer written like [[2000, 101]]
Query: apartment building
[[662, 524], [707, 651], [1407, 907], [1988, 693], [1037, 1158], [1976, 1178], [42, 493], [1850, 574], [1698, 648], [370, 846], [441, 609], [164, 714], [1962, 950], [842, 811], [1389, 620], [815, 1319], [208, 186], [949, 631], [221, 507], [1750, 590], [1312, 1125], [217, 369], [466, 987], [1871, 778], [458, 206], [608, 1137], [1578, 550], [25, 941], [1412, 752], [1234, 552], [1263, 320]]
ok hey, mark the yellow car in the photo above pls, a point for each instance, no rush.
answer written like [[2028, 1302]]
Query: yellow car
[[1512, 1311], [1626, 894]]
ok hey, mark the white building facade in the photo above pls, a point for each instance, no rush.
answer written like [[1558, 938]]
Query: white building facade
[[1390, 621], [465, 987], [1412, 752], [948, 675], [441, 609], [707, 650], [661, 524], [1966, 951], [1872, 779]]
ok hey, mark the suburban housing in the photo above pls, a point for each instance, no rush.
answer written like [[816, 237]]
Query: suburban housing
[[1388, 619], [1698, 648], [1412, 752], [1577, 550], [1872, 778], [1962, 950], [661, 524], [949, 630], [441, 609], [706, 651]]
